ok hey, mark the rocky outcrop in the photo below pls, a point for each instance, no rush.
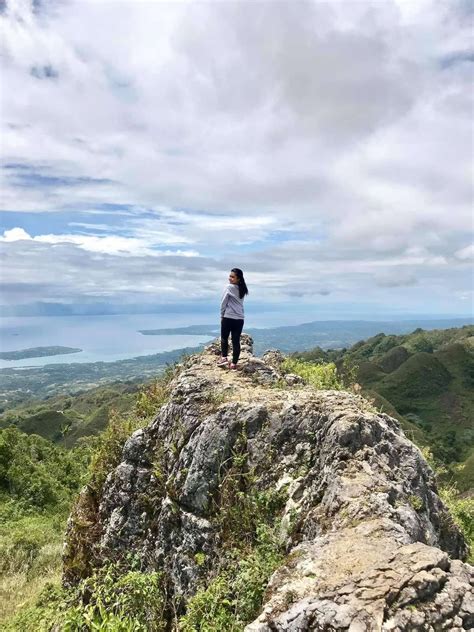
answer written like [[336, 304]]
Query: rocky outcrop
[[368, 543]]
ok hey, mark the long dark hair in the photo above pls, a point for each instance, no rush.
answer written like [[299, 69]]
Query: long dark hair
[[243, 289]]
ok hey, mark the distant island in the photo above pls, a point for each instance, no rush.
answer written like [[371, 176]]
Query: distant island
[[36, 352]]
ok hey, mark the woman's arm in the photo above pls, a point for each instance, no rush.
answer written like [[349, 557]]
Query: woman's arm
[[225, 298]]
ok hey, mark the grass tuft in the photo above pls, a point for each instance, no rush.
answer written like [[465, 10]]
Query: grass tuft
[[319, 376]]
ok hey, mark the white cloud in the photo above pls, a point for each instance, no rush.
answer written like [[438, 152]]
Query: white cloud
[[111, 245], [15, 234], [465, 253], [295, 138]]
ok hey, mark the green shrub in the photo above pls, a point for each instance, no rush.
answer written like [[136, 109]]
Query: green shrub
[[320, 376], [38, 473], [234, 597], [152, 397], [111, 599], [462, 510], [241, 508], [109, 448], [113, 595], [212, 609], [254, 571]]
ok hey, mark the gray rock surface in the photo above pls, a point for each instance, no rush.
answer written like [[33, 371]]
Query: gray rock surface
[[370, 546]]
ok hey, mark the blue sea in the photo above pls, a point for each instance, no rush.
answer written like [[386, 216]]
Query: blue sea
[[108, 338], [101, 338]]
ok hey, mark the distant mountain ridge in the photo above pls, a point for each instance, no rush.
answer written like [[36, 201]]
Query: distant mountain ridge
[[64, 419], [328, 334]]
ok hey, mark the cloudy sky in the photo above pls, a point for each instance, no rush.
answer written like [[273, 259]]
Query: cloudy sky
[[325, 148]]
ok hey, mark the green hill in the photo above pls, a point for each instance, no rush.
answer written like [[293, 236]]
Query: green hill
[[64, 419], [465, 474], [421, 376], [369, 372], [458, 358], [394, 358], [411, 429]]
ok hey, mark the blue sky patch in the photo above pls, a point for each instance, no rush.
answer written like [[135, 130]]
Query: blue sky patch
[[44, 72], [23, 175]]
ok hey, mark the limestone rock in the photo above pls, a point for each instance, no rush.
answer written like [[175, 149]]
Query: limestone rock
[[369, 544], [274, 358]]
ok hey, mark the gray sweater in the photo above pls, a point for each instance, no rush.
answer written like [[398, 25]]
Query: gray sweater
[[232, 306]]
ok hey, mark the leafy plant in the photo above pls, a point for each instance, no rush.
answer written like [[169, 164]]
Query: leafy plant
[[37, 473], [462, 510], [152, 397], [241, 507], [234, 596], [114, 594], [113, 598]]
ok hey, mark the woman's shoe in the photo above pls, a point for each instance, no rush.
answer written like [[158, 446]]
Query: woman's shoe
[[222, 362], [232, 365]]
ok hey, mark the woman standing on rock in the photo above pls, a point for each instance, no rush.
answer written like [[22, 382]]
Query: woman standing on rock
[[232, 317]]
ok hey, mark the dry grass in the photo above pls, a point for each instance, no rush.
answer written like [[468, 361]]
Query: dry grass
[[22, 587]]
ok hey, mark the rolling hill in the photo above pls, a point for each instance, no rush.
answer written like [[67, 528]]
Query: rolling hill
[[63, 419]]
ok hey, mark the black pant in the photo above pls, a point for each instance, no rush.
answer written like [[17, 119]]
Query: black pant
[[231, 326]]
